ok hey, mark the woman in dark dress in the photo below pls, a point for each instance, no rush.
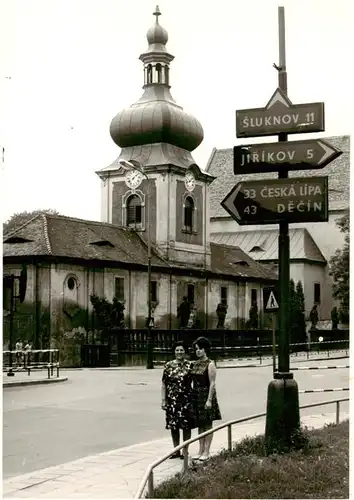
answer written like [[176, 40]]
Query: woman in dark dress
[[176, 395], [204, 392]]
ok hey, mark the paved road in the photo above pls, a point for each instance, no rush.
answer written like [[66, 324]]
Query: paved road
[[96, 411]]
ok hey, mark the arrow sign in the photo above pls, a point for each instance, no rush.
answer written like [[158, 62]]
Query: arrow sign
[[273, 156], [280, 116], [273, 201]]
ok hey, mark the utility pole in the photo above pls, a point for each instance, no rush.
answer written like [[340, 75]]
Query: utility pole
[[283, 414]]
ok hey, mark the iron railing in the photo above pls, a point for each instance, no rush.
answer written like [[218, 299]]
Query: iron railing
[[149, 475], [32, 360]]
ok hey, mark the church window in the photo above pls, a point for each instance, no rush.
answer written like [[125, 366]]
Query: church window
[[223, 295], [134, 211], [119, 289], [153, 291], [167, 70], [317, 293], [253, 296], [190, 294], [71, 283], [159, 73], [188, 214], [149, 74]]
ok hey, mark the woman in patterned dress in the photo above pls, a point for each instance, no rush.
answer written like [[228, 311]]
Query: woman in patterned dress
[[176, 396], [204, 392]]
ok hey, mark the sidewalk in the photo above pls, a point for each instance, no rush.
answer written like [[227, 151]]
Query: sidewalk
[[118, 473], [38, 377]]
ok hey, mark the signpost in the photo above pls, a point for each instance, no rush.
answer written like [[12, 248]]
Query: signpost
[[282, 201], [273, 201], [270, 304], [273, 156], [280, 116]]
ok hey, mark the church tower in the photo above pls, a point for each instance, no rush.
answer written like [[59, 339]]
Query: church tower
[[171, 194]]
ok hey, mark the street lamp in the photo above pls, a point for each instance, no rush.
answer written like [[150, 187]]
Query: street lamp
[[135, 165]]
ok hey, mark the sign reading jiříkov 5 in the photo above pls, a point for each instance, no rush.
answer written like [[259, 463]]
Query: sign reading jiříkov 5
[[280, 116], [274, 156], [271, 201]]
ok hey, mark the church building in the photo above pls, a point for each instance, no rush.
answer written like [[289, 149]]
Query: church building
[[165, 199]]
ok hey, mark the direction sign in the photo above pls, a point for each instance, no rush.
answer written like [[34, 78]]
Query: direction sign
[[275, 156], [270, 299], [273, 201], [280, 116]]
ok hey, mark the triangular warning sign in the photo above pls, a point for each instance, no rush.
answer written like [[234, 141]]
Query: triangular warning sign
[[272, 303]]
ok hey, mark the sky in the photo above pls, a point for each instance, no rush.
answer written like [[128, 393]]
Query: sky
[[67, 67]]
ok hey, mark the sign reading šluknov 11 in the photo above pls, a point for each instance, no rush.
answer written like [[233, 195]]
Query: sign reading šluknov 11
[[280, 116], [271, 201], [275, 156]]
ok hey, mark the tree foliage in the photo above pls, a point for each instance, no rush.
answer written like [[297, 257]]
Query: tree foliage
[[253, 316], [108, 315], [297, 324], [20, 218], [339, 270]]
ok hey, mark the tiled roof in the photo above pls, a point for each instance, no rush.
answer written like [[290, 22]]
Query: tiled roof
[[263, 244], [60, 236], [220, 164], [228, 259]]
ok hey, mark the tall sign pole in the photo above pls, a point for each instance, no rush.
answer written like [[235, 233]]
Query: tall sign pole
[[283, 414]]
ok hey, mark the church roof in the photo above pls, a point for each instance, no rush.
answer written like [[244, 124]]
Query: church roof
[[220, 164], [57, 236], [262, 245]]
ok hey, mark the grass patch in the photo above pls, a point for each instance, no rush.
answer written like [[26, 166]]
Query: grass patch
[[319, 470]]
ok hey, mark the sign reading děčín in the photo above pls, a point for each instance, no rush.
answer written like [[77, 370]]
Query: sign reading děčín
[[280, 116], [273, 156], [302, 199]]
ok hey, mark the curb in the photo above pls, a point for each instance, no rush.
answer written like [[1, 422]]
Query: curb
[[35, 382]]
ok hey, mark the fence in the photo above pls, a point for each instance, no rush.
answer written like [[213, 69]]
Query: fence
[[149, 477], [131, 346], [32, 360]]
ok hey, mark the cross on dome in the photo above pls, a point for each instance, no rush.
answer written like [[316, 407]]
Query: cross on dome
[[157, 13]]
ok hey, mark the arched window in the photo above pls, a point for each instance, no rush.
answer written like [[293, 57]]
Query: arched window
[[134, 212], [159, 73], [149, 74], [188, 213]]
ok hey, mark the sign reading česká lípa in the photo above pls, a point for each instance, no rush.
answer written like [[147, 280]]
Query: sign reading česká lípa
[[270, 201]]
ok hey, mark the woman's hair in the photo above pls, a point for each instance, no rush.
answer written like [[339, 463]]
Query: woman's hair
[[178, 344], [203, 343]]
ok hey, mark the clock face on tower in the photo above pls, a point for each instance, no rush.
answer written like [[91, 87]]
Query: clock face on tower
[[189, 181], [133, 179]]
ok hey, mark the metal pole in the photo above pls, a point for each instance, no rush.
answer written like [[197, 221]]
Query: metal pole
[[229, 437], [337, 412], [151, 485], [10, 373], [283, 414], [150, 359], [284, 250], [274, 351]]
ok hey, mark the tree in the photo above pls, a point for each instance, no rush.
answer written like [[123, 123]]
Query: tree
[[109, 315], [339, 270], [20, 218], [253, 316], [300, 321]]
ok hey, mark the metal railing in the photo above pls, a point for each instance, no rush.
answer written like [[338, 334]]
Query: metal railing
[[149, 475], [32, 360]]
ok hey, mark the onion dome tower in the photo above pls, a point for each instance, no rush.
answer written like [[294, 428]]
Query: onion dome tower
[[156, 118]]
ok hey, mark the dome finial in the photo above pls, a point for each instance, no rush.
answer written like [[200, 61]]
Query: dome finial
[[157, 13]]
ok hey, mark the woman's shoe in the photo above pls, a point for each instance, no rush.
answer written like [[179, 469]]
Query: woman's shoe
[[203, 458], [196, 457], [176, 455]]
